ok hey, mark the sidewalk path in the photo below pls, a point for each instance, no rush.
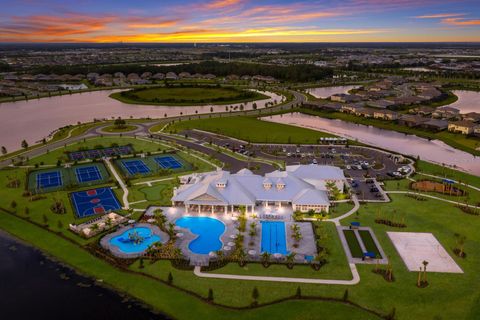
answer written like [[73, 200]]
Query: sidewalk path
[[120, 182], [349, 213], [355, 279], [433, 197]]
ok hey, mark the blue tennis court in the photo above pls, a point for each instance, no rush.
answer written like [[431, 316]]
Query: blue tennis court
[[168, 162], [95, 201], [274, 237], [135, 166], [49, 179], [87, 174]]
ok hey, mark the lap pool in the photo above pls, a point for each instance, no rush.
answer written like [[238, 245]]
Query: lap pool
[[274, 238], [209, 230], [135, 240]]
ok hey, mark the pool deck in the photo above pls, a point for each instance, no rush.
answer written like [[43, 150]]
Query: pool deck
[[105, 241], [252, 245], [186, 237]]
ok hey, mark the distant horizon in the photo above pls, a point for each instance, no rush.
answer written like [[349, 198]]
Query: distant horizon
[[240, 21]]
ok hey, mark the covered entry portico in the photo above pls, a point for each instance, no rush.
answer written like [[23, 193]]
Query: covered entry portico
[[216, 208]]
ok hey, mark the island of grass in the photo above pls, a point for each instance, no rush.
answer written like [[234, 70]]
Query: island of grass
[[188, 95], [115, 128], [251, 129]]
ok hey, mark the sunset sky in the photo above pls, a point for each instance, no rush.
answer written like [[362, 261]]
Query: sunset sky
[[238, 21]]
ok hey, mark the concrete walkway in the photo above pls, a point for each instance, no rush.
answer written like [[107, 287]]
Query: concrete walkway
[[126, 204], [355, 277], [433, 197], [349, 213]]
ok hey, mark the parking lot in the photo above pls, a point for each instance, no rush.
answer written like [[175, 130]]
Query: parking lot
[[357, 162]]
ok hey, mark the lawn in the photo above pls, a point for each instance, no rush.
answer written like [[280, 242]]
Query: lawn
[[114, 128], [368, 242], [353, 244], [252, 130], [450, 296], [187, 95], [167, 299]]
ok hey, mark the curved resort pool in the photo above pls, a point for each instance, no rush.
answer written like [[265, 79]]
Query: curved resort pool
[[134, 240], [209, 231]]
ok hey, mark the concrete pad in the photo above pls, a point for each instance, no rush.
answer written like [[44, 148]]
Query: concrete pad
[[415, 247]]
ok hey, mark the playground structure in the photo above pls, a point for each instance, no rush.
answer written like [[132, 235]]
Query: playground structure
[[444, 187]]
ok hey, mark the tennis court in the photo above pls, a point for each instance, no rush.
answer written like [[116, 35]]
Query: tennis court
[[135, 167], [88, 174], [94, 201], [49, 179], [61, 178], [168, 162], [98, 153]]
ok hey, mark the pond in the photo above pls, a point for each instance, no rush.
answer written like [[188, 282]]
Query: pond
[[468, 101], [34, 287], [325, 92], [35, 119], [431, 150]]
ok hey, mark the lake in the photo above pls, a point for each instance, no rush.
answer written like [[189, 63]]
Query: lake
[[34, 287], [434, 151], [35, 119], [325, 92], [468, 101]]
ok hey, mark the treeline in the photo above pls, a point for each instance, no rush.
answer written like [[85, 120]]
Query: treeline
[[294, 73], [5, 67]]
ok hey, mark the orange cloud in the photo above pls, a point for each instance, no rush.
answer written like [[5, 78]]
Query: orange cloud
[[461, 22], [440, 15], [221, 4], [153, 25]]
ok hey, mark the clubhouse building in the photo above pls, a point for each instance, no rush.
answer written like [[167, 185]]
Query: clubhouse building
[[299, 187]]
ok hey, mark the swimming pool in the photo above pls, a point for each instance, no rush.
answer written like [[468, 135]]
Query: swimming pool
[[135, 240], [209, 231], [274, 238]]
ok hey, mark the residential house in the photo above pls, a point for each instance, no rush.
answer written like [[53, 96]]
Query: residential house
[[446, 113], [385, 115], [471, 116], [412, 120], [462, 126], [380, 104], [435, 124]]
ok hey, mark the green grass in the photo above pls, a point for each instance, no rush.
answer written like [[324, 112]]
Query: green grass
[[114, 128], [252, 130], [353, 244], [185, 96], [449, 296], [434, 169], [368, 242], [167, 299]]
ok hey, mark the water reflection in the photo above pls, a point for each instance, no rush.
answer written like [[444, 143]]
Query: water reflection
[[431, 150]]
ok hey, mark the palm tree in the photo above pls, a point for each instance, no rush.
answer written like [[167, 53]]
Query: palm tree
[[266, 257], [290, 258], [425, 264]]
